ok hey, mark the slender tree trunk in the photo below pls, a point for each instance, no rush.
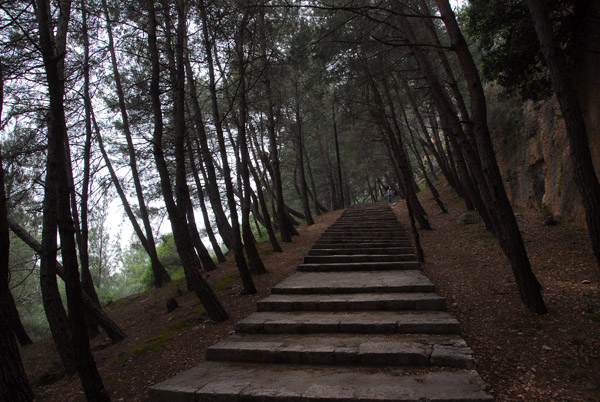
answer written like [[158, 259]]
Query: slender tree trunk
[[586, 179], [430, 185], [177, 216], [86, 277], [284, 223], [57, 203], [299, 147], [161, 276], [205, 217], [508, 230], [211, 183], [265, 210], [207, 262], [14, 385], [249, 287], [337, 155], [399, 153]]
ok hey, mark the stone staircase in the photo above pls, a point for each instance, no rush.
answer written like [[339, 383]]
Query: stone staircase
[[358, 322]]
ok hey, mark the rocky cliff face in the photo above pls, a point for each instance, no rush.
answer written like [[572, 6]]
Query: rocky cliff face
[[534, 155]]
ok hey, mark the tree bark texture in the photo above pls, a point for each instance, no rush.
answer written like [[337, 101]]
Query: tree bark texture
[[161, 276], [58, 206], [177, 215], [238, 247], [507, 228]]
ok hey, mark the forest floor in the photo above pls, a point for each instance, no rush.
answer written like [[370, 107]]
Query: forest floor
[[521, 356]]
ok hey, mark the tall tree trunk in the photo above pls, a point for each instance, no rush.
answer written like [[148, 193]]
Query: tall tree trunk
[[211, 183], [207, 262], [430, 185], [177, 215], [86, 277], [337, 155], [57, 199], [585, 175], [265, 211], [249, 287], [207, 225], [14, 385], [285, 226], [508, 230], [161, 276], [240, 149], [299, 147], [399, 153]]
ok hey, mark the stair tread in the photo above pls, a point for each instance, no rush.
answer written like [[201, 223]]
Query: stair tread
[[391, 349], [223, 381], [373, 322], [355, 282]]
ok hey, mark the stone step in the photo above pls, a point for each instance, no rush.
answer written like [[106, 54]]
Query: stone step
[[367, 350], [372, 322], [353, 302], [360, 234], [330, 259], [367, 241], [242, 382], [361, 245], [355, 251], [358, 266], [354, 282], [366, 228]]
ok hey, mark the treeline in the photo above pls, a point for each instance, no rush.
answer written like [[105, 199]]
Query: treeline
[[250, 113]]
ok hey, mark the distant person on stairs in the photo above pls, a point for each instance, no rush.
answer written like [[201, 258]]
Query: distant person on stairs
[[389, 194]]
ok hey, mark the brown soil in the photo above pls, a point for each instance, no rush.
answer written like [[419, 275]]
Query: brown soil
[[522, 356]]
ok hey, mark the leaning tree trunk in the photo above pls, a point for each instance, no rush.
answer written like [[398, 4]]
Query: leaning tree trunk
[[161, 276], [508, 230], [300, 158], [210, 182], [238, 247], [585, 175], [286, 228], [177, 216], [57, 202], [200, 194], [337, 156]]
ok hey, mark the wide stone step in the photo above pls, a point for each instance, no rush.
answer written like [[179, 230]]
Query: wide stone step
[[365, 242], [241, 382], [361, 245], [370, 350], [354, 282], [367, 235], [330, 259], [358, 266], [366, 228], [372, 322], [355, 251], [353, 302]]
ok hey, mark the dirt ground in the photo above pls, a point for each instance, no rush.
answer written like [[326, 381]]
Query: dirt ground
[[521, 356]]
